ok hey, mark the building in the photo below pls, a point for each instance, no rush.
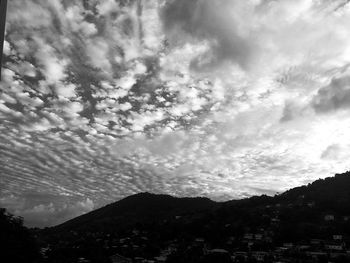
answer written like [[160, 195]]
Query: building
[[334, 247], [329, 217], [120, 259], [218, 255], [248, 236], [316, 241], [83, 260], [337, 237], [160, 259], [288, 245], [311, 204]]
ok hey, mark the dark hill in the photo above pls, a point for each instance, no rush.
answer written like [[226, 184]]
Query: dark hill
[[323, 196], [138, 208], [145, 224], [16, 242], [328, 189]]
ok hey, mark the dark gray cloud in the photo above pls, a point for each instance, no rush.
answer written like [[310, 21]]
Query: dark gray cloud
[[211, 21], [288, 112], [331, 152], [334, 96]]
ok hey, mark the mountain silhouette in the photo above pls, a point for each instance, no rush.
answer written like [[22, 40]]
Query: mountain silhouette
[[142, 207], [145, 224], [330, 195]]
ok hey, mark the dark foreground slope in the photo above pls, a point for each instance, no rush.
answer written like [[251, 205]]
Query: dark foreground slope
[[17, 244]]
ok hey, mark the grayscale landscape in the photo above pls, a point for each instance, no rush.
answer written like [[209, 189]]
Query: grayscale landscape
[[175, 131]]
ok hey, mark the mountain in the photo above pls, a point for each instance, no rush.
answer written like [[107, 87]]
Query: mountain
[[144, 225], [139, 208], [330, 195], [331, 192]]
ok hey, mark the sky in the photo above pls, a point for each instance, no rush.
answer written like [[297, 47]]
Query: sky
[[101, 99]]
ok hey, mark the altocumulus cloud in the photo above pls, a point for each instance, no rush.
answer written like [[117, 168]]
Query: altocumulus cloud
[[103, 99]]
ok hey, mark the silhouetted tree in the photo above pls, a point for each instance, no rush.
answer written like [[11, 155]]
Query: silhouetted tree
[[16, 242]]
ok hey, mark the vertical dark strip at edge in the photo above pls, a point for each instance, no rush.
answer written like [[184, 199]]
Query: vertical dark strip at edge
[[3, 7]]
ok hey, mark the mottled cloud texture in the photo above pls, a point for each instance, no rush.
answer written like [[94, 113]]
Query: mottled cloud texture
[[225, 99]]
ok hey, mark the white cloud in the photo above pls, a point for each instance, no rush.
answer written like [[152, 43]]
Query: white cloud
[[17, 16], [107, 7], [7, 98], [66, 90], [77, 22], [53, 67], [97, 50], [25, 99]]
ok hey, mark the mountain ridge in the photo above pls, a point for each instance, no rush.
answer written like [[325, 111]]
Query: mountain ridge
[[147, 205], [144, 203], [146, 225]]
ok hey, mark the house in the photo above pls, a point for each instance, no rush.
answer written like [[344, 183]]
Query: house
[[316, 241], [218, 255], [83, 260], [258, 236], [248, 236], [218, 250], [267, 239], [161, 259], [337, 237], [280, 250], [259, 255], [275, 221], [288, 245], [311, 204], [303, 247], [316, 254], [199, 240], [240, 255], [329, 217], [44, 251], [250, 244], [120, 259], [334, 247], [139, 260], [136, 232]]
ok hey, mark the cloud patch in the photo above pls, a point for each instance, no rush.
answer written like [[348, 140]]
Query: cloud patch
[[211, 21], [335, 96]]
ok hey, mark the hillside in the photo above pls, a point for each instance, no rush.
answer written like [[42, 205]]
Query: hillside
[[145, 224], [15, 238], [330, 195], [142, 207]]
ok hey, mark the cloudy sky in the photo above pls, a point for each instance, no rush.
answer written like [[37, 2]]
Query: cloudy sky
[[101, 99]]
